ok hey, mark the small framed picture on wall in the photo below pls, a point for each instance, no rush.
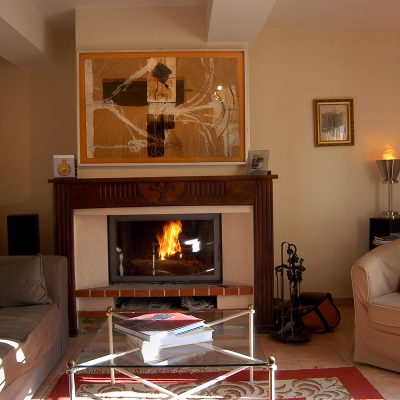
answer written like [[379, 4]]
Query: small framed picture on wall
[[333, 122], [257, 162]]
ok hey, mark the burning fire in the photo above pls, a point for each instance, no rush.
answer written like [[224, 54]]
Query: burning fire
[[169, 240]]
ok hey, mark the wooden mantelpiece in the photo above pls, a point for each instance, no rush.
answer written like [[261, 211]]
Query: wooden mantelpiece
[[71, 194]]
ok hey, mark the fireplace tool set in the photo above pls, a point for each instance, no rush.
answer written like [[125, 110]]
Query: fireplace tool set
[[288, 325]]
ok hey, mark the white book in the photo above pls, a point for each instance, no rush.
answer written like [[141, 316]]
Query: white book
[[198, 335], [179, 345], [174, 355]]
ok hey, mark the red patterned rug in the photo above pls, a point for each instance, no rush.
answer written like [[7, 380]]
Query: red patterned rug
[[307, 384]]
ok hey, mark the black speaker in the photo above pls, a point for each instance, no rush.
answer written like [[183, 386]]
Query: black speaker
[[23, 234]]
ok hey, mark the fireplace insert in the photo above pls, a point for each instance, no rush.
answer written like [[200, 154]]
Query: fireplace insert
[[165, 248]]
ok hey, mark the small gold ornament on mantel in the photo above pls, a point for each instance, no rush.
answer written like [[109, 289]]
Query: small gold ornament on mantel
[[64, 166]]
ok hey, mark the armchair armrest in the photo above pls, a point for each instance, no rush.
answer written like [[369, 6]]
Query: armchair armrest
[[377, 272]]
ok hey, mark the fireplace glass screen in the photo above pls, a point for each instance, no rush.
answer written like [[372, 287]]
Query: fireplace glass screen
[[165, 248]]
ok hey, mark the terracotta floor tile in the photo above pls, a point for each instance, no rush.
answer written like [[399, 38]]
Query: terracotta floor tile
[[387, 382], [287, 363], [323, 362], [345, 347], [313, 352]]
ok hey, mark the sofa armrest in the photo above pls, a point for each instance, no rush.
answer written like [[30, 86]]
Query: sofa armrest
[[55, 275], [55, 270]]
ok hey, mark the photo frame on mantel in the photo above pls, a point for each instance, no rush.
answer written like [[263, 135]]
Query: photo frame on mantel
[[173, 107], [257, 162], [333, 122]]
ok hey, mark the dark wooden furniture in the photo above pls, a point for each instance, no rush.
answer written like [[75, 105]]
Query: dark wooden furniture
[[382, 227], [71, 194]]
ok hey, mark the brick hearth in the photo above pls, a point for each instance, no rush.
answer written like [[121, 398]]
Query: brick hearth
[[165, 290]]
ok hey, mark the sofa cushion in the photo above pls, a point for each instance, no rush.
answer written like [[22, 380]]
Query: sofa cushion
[[385, 309], [22, 283]]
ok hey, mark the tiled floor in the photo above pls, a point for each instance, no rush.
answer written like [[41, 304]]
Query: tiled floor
[[322, 351]]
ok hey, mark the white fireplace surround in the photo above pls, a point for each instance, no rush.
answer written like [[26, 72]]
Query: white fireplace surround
[[91, 247]]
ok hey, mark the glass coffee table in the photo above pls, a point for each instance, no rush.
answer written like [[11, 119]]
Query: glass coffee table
[[232, 350]]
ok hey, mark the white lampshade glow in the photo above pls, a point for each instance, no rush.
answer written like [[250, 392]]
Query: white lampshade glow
[[390, 153]]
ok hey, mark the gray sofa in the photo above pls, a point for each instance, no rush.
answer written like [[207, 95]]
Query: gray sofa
[[33, 321]]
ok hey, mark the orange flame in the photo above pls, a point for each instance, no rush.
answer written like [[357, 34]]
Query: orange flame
[[169, 240]]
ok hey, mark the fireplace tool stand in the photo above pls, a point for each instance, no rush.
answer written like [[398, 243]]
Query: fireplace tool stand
[[288, 325]]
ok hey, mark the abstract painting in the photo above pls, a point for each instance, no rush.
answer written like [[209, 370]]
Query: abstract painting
[[162, 107]]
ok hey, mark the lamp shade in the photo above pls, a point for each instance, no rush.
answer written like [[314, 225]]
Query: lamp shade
[[389, 169]]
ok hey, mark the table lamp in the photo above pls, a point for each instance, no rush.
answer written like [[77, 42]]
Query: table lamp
[[389, 167]]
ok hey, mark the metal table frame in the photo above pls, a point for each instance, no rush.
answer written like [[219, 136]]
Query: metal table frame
[[270, 363]]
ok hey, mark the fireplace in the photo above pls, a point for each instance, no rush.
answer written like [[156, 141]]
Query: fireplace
[[164, 248], [152, 193]]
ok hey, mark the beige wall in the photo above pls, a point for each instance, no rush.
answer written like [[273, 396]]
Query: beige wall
[[38, 119], [323, 197]]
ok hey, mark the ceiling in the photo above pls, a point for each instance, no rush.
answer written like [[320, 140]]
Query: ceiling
[[26, 22], [60, 13]]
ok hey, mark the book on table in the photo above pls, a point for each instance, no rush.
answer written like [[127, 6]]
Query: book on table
[[153, 351], [155, 326], [172, 355], [197, 335]]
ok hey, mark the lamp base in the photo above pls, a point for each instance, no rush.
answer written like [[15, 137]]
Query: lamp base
[[390, 215]]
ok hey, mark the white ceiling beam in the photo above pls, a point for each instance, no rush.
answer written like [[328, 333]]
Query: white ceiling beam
[[237, 20], [26, 40]]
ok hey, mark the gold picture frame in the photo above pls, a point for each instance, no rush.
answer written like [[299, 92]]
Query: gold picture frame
[[333, 122], [162, 107]]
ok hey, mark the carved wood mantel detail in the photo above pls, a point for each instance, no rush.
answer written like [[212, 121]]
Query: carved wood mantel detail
[[71, 194], [161, 193]]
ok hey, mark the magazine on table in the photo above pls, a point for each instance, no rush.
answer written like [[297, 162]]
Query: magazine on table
[[153, 326]]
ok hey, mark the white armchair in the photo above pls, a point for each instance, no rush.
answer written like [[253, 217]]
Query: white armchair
[[376, 291]]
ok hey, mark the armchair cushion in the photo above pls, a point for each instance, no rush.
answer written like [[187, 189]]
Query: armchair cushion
[[385, 309]]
